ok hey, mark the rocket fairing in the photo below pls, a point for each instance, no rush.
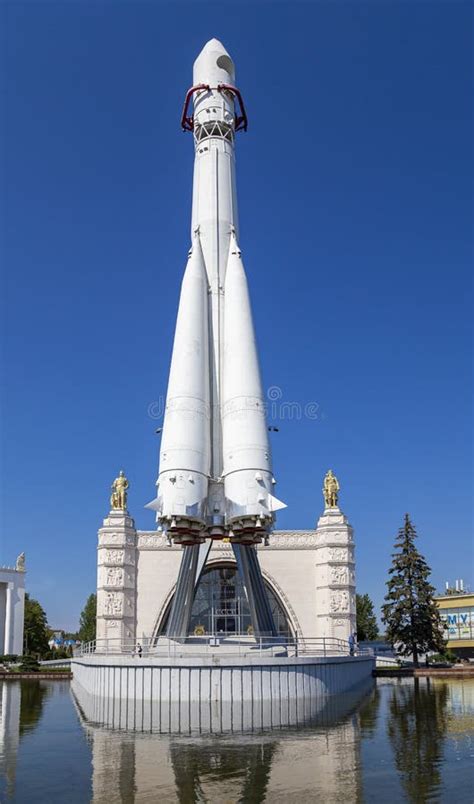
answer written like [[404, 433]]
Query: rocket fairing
[[215, 477]]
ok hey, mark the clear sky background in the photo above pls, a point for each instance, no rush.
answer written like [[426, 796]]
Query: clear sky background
[[354, 185]]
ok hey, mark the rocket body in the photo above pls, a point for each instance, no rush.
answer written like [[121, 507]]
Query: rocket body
[[215, 476]]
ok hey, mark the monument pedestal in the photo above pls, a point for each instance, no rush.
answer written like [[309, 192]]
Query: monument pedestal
[[116, 580], [335, 575]]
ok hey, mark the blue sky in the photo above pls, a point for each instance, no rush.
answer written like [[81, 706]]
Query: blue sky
[[354, 185]]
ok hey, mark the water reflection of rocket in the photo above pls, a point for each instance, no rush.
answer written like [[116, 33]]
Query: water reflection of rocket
[[215, 477]]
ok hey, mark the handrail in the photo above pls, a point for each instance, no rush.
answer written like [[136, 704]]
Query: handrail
[[229, 645]]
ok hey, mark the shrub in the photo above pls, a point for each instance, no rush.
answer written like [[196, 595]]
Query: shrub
[[62, 653], [58, 653], [8, 658], [443, 658], [29, 664]]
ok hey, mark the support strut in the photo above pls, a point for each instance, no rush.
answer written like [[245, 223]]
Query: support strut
[[257, 598], [192, 563]]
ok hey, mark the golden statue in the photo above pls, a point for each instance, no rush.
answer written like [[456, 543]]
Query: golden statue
[[330, 490], [118, 498]]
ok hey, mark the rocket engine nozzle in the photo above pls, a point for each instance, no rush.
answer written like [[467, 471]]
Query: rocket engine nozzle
[[186, 531]]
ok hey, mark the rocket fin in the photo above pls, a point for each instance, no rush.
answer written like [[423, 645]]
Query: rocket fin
[[154, 505], [274, 504]]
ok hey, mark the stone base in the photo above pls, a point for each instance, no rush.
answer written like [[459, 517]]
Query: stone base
[[310, 572], [335, 575], [212, 694], [116, 578]]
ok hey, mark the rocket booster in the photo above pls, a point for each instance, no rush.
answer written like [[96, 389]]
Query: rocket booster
[[185, 445], [215, 476]]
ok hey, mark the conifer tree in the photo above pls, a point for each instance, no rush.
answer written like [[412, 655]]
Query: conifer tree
[[367, 628], [412, 617], [87, 621], [417, 728]]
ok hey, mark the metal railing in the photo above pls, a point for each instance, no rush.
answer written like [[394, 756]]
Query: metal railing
[[55, 662], [232, 645]]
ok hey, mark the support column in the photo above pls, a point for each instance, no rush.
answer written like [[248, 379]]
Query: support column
[[7, 648], [18, 614], [335, 576], [116, 582]]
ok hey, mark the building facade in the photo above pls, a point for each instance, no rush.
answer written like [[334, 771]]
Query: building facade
[[12, 608], [309, 578], [457, 612]]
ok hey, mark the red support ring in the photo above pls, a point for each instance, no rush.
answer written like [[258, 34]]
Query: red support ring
[[187, 121], [240, 122]]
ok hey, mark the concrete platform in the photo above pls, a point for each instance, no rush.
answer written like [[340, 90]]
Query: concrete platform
[[192, 693]]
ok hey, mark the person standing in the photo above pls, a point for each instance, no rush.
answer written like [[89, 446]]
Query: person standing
[[351, 641]]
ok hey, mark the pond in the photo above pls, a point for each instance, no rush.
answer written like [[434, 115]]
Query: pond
[[403, 740]]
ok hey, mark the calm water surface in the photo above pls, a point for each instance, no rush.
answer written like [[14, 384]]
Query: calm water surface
[[406, 740]]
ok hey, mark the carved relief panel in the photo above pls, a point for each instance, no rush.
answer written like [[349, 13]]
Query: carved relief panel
[[339, 601], [116, 556], [339, 575]]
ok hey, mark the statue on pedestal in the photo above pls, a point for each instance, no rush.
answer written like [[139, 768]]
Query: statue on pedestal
[[118, 498], [330, 490], [20, 563]]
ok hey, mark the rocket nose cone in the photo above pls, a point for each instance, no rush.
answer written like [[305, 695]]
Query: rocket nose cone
[[214, 44], [213, 65]]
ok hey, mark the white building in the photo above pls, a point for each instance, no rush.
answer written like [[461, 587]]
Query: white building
[[310, 577], [12, 607]]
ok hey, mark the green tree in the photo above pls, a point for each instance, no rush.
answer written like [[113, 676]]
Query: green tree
[[87, 620], [412, 617], [417, 729], [36, 627], [33, 696], [368, 713], [367, 627]]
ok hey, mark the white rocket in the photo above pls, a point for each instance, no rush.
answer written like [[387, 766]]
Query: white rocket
[[215, 477]]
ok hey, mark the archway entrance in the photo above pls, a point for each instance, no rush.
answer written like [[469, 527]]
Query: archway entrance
[[220, 605]]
